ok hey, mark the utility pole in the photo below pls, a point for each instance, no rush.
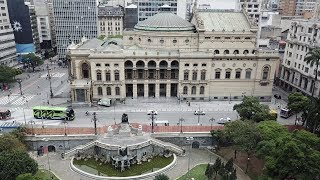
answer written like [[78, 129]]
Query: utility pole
[[95, 122], [19, 81], [49, 77], [152, 120]]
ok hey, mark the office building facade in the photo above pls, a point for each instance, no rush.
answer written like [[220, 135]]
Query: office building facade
[[8, 55], [73, 20], [110, 20]]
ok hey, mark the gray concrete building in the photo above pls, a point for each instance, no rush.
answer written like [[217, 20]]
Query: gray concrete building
[[110, 20], [130, 16], [73, 20], [8, 55]]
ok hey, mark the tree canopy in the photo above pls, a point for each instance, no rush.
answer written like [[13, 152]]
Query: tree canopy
[[251, 109], [7, 74], [297, 102], [32, 60], [311, 58]]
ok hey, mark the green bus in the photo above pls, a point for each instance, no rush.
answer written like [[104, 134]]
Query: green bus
[[50, 112]]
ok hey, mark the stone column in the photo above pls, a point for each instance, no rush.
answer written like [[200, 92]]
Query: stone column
[[146, 90], [168, 90], [135, 95], [157, 90]]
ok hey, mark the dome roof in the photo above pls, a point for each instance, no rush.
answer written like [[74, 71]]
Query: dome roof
[[165, 22]]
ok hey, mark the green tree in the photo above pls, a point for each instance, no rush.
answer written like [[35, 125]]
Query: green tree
[[251, 109], [221, 138], [313, 58], [216, 167], [229, 165], [27, 176], [10, 143], [32, 60], [161, 177], [7, 74], [15, 163], [245, 135], [297, 102], [209, 171]]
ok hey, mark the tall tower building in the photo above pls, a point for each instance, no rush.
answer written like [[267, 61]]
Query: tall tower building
[[73, 20], [8, 53]]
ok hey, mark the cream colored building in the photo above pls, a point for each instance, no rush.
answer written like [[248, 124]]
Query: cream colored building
[[110, 20], [212, 58]]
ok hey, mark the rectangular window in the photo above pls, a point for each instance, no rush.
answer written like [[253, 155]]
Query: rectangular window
[[116, 76], [186, 76], [306, 70], [228, 75], [248, 74], [108, 77], [238, 74], [217, 75], [194, 76]]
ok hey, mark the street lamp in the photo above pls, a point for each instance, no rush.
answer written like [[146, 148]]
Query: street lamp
[[189, 139], [180, 122], [19, 81], [24, 115], [152, 113], [94, 119], [32, 123], [247, 165], [212, 120], [199, 113], [46, 140], [49, 77]]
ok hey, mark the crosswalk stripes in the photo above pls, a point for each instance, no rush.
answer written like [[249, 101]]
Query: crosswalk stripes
[[15, 109], [54, 75], [22, 100], [5, 99]]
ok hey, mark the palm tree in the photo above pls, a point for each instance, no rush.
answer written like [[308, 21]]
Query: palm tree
[[313, 57]]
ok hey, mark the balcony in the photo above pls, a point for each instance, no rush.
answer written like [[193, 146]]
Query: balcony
[[264, 82]]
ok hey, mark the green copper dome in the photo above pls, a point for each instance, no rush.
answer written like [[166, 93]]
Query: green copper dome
[[165, 22]]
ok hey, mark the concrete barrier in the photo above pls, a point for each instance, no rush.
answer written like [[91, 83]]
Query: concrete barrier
[[143, 176]]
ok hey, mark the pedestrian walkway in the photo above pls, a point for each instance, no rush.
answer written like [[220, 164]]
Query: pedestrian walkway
[[15, 99], [53, 75]]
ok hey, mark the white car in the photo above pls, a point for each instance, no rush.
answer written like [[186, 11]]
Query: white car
[[224, 120], [199, 112], [152, 111]]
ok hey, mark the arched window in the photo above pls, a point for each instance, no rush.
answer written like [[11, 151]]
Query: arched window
[[265, 73], [152, 64], [85, 70], [203, 75], [163, 64], [236, 52], [128, 64], [202, 90], [99, 78], [185, 90], [248, 73], [100, 91], [193, 90], [108, 90], [245, 52], [116, 76], [226, 51], [140, 64], [130, 38], [186, 75], [216, 52], [117, 91], [108, 76], [194, 75]]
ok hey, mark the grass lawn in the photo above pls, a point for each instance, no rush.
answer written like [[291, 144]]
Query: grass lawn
[[197, 173], [45, 175], [94, 167], [255, 165]]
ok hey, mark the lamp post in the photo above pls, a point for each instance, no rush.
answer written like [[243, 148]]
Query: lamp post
[[189, 139], [49, 77], [152, 113], [94, 119], [65, 134], [114, 112], [180, 122], [247, 165], [19, 82], [200, 112], [46, 140], [32, 123], [212, 120]]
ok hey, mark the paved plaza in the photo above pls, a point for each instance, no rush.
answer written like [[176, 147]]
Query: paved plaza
[[198, 156]]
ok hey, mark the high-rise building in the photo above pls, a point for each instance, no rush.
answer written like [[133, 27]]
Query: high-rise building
[[297, 7], [52, 25], [296, 74], [34, 27], [147, 8], [73, 20], [8, 53], [253, 7], [110, 20], [130, 16]]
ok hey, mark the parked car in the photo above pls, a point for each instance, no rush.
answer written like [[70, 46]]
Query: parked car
[[199, 112], [152, 111], [224, 120]]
